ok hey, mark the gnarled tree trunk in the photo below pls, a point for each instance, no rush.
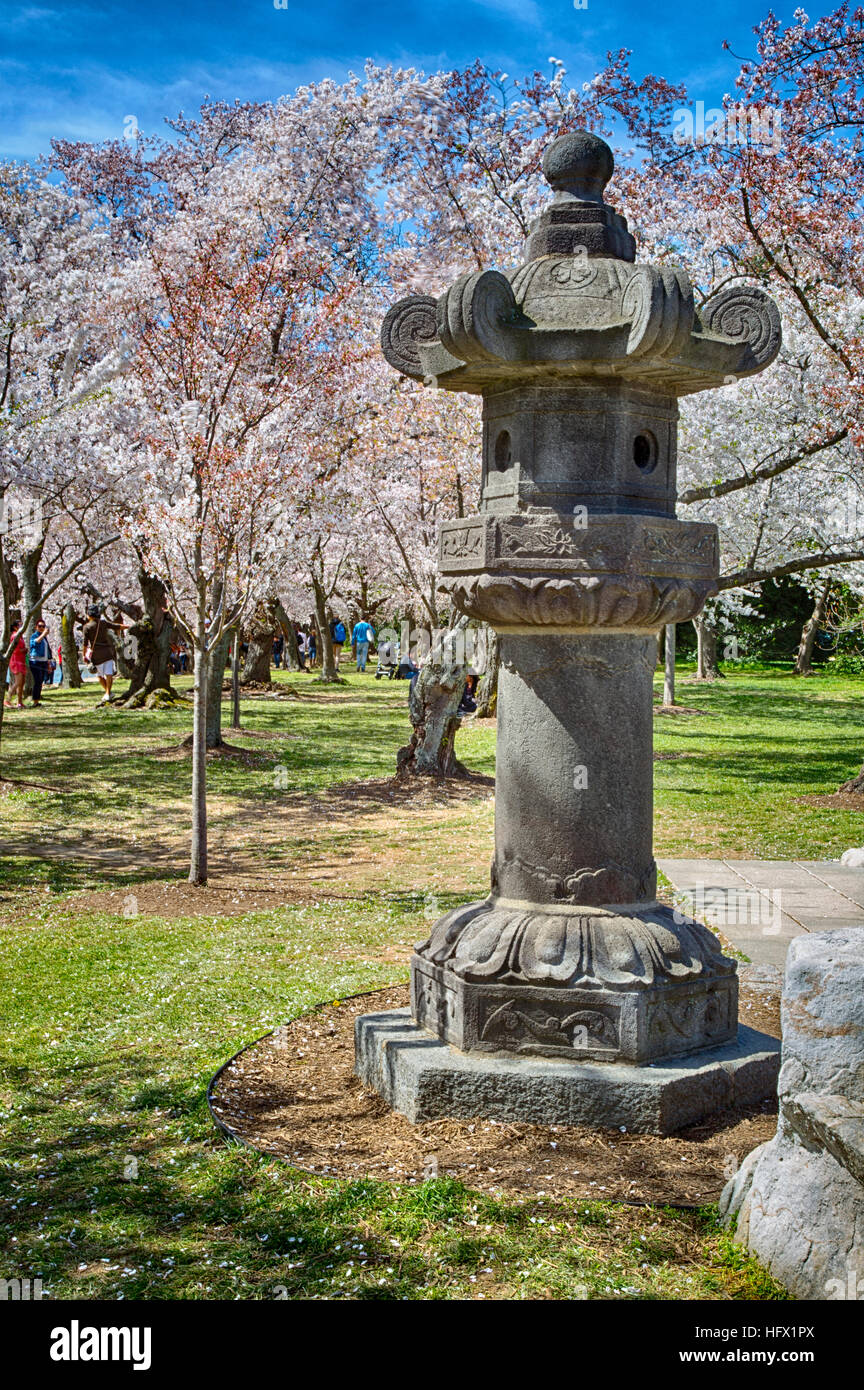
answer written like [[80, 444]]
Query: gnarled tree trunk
[[259, 651], [329, 672], [31, 584], [290, 652], [31, 598], [256, 663], [71, 669], [855, 784], [118, 646], [804, 657], [433, 703], [153, 630], [707, 664], [487, 690]]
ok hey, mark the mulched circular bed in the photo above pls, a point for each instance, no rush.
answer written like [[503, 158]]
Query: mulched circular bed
[[293, 1095]]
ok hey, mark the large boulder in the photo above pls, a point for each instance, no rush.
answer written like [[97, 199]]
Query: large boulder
[[799, 1199]]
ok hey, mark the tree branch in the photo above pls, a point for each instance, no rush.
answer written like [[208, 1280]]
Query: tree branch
[[821, 560], [761, 473]]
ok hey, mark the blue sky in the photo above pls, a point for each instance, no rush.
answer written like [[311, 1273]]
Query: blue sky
[[78, 70]]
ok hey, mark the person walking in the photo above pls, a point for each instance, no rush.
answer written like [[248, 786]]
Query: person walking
[[41, 660], [17, 670], [98, 652], [338, 633], [362, 637]]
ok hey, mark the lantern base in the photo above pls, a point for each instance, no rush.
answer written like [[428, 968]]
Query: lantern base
[[423, 1078]]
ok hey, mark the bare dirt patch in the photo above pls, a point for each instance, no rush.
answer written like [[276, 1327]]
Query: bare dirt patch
[[294, 1095], [422, 791], [680, 709], [354, 838], [267, 734], [180, 752], [834, 801], [284, 692]]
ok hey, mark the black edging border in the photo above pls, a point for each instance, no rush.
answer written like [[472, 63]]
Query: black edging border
[[225, 1130], [231, 1135]]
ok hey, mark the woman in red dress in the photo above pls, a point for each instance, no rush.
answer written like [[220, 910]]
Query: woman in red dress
[[17, 669]]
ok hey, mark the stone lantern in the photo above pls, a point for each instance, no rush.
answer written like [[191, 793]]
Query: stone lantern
[[570, 994]]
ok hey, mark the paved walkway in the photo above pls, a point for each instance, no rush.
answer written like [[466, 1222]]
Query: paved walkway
[[761, 904]]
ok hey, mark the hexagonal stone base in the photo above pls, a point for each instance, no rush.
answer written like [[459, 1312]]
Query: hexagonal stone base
[[596, 1025], [425, 1079]]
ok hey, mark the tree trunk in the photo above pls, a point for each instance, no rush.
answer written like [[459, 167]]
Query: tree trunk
[[314, 660], [215, 662], [8, 594], [71, 669], [153, 630], [259, 652], [256, 663], [487, 690], [5, 637], [290, 652], [31, 584], [118, 646], [235, 680], [151, 670], [432, 706], [158, 676], [804, 658], [707, 665], [855, 784], [669, 665], [31, 597], [325, 640], [198, 856]]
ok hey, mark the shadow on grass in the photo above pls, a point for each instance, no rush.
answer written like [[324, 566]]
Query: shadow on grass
[[66, 868], [110, 1194]]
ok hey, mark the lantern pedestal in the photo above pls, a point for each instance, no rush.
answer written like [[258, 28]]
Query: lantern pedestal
[[424, 1079]]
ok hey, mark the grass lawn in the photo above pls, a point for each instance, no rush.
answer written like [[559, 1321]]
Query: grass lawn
[[123, 990]]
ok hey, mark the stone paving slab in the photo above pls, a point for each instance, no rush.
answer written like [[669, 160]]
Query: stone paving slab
[[761, 905]]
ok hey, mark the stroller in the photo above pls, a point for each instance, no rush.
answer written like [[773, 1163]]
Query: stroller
[[388, 661]]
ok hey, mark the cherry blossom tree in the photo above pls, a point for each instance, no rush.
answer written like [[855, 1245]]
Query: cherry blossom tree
[[241, 313], [769, 192], [225, 350], [419, 457], [56, 368]]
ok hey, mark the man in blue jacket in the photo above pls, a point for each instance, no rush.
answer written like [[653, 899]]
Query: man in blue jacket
[[361, 637]]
